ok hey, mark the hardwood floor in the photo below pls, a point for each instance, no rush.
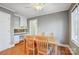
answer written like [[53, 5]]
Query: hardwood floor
[[20, 49]]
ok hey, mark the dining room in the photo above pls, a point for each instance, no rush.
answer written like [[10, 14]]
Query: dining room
[[39, 28]]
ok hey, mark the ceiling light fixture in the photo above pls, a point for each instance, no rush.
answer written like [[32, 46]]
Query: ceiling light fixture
[[38, 6]]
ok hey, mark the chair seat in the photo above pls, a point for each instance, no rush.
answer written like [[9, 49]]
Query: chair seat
[[51, 50]]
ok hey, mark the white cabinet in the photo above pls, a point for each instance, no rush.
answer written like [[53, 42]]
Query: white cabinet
[[23, 21], [16, 21], [20, 24], [16, 38], [20, 21], [5, 36]]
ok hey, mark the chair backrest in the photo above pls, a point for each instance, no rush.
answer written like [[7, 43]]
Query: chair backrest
[[30, 41], [42, 45], [30, 44], [52, 38], [41, 34]]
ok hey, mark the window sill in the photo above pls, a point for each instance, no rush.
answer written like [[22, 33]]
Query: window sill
[[75, 42]]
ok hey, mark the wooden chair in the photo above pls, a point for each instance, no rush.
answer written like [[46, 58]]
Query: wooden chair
[[42, 45], [41, 34], [60, 49], [53, 48], [30, 47], [52, 38], [64, 50], [52, 44]]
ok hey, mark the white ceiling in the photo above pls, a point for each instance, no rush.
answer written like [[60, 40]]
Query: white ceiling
[[27, 10]]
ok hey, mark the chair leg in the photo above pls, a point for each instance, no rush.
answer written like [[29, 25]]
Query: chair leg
[[56, 50], [33, 52]]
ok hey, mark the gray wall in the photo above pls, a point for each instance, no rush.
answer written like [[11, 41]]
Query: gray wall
[[56, 23], [11, 23], [14, 22]]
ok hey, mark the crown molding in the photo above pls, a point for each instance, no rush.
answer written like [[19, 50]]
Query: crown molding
[[7, 8]]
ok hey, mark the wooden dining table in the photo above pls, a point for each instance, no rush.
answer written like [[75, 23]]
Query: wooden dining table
[[56, 45], [20, 48]]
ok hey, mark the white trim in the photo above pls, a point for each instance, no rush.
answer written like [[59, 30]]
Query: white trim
[[7, 8], [75, 42], [74, 7], [11, 45], [67, 47], [71, 51]]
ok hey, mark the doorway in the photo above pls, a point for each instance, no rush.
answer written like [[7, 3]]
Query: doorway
[[33, 27]]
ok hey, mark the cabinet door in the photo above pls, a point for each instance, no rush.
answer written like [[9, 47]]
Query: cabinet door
[[23, 21], [4, 31], [16, 38], [16, 21]]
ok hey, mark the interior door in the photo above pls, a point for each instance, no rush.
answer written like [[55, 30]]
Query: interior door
[[33, 27], [4, 31]]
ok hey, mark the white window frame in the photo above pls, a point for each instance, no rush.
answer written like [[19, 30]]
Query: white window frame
[[74, 36]]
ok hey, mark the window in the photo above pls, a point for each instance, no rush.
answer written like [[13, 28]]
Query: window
[[75, 25]]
